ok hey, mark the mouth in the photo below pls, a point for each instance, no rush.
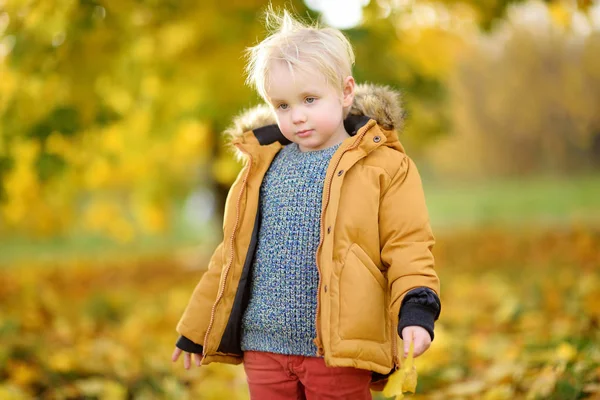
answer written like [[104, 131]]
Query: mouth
[[304, 132]]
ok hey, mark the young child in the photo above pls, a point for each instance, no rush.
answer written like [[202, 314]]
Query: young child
[[326, 256]]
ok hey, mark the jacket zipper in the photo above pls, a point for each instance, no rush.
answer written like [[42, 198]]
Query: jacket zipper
[[395, 357], [232, 253], [318, 342]]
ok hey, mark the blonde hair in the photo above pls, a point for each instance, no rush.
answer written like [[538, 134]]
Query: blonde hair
[[300, 46]]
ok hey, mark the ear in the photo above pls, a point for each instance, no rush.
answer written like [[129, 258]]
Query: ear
[[348, 91]]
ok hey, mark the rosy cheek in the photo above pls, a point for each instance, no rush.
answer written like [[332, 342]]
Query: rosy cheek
[[283, 125]]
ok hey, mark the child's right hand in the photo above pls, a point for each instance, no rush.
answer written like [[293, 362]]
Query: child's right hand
[[187, 357]]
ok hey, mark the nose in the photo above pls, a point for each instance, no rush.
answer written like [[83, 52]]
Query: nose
[[298, 116]]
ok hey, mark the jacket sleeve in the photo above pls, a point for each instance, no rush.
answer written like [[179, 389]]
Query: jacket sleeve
[[196, 317], [405, 236]]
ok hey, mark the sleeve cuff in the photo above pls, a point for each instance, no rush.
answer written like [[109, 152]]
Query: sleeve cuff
[[420, 307], [186, 344], [416, 314]]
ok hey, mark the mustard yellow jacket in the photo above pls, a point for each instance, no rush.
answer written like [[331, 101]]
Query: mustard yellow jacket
[[375, 241]]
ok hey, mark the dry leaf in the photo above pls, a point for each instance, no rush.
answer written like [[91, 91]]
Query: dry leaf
[[403, 379]]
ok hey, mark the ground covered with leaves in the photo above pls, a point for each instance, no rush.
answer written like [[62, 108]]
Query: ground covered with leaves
[[520, 320]]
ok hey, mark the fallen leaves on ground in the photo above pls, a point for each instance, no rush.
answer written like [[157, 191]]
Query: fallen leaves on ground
[[520, 320]]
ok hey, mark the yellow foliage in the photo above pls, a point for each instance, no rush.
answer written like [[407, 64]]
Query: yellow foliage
[[561, 13], [113, 140], [433, 51], [8, 86], [225, 169], [544, 383], [22, 374], [98, 173], [404, 379], [105, 216], [175, 38], [137, 125], [62, 360], [119, 99], [501, 392], [492, 117], [467, 388], [59, 145], [192, 142], [26, 151], [566, 352], [151, 86], [143, 48], [21, 183], [121, 230], [100, 213], [104, 389], [152, 217], [12, 392]]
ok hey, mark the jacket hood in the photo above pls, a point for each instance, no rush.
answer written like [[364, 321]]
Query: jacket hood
[[377, 102]]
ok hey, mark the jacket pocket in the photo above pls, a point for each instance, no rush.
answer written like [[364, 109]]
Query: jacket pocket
[[363, 300]]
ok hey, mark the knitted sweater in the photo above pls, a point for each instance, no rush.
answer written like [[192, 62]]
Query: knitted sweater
[[280, 317]]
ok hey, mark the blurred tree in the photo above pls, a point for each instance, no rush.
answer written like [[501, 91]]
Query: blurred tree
[[525, 99], [110, 110], [415, 45]]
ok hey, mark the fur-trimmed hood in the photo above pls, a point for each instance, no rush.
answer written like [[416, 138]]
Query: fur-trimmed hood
[[378, 102]]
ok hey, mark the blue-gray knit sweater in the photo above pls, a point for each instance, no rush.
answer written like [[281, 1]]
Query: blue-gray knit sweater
[[280, 317]]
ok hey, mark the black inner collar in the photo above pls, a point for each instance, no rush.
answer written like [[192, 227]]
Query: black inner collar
[[271, 133]]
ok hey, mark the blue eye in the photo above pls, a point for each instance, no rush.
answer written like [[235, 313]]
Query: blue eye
[[310, 100], [283, 106]]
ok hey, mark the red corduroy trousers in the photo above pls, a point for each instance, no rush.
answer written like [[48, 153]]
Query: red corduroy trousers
[[282, 377]]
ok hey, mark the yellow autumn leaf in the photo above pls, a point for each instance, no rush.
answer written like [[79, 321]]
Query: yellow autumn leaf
[[394, 385], [410, 381], [566, 352], [468, 388], [403, 379], [114, 390], [544, 383], [22, 374], [501, 392], [102, 388], [9, 391], [410, 371], [62, 360]]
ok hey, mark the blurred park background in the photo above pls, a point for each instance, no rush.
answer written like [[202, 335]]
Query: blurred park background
[[113, 175]]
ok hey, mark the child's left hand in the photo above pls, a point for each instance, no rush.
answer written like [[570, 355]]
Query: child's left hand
[[421, 338]]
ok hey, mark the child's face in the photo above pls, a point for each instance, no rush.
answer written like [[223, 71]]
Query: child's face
[[309, 111]]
